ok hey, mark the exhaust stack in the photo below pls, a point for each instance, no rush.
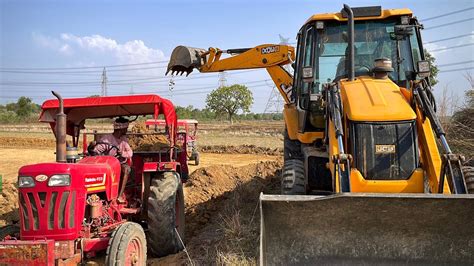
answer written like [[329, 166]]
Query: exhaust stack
[[60, 131], [350, 25]]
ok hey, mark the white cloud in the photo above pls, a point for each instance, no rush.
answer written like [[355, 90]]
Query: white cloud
[[130, 52], [65, 49], [433, 47]]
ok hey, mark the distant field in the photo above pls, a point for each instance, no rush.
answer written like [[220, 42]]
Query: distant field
[[258, 133]]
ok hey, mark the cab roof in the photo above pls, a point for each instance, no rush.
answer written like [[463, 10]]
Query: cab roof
[[385, 13]]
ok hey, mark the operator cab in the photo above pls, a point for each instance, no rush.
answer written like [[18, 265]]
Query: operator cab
[[323, 53]]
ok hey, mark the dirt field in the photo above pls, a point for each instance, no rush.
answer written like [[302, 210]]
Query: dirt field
[[221, 196]]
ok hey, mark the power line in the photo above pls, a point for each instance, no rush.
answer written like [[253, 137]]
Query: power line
[[447, 24], [458, 69], [450, 38], [447, 14], [457, 63], [77, 72], [115, 82], [451, 47], [95, 67]]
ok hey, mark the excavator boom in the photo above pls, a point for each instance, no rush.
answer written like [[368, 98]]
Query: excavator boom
[[272, 57]]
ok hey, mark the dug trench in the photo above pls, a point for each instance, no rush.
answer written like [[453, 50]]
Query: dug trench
[[222, 217]]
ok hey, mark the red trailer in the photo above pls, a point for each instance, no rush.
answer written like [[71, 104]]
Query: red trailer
[[69, 209], [186, 126]]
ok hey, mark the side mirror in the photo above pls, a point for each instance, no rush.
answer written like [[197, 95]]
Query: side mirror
[[308, 74], [424, 68], [402, 31]]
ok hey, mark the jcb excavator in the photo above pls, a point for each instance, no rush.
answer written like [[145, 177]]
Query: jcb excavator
[[364, 180]]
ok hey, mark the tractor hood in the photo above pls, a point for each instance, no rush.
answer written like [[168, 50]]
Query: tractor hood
[[370, 100]]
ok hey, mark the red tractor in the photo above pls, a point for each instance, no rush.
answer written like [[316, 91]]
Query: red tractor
[[69, 209], [187, 126]]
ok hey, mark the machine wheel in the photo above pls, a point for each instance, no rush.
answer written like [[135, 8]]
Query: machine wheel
[[468, 172], [127, 246], [165, 214], [12, 230], [196, 158], [291, 148], [293, 180]]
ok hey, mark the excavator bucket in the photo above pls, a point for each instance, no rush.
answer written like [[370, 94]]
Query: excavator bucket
[[369, 229], [184, 59]]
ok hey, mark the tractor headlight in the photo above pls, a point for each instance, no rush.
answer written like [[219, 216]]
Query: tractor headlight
[[59, 180], [26, 181]]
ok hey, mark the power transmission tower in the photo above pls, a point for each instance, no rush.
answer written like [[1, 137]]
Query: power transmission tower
[[286, 41], [274, 103], [222, 79], [104, 83]]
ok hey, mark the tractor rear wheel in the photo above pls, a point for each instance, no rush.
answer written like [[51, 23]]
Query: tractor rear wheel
[[293, 181], [291, 148], [127, 246], [12, 230], [165, 215], [468, 172]]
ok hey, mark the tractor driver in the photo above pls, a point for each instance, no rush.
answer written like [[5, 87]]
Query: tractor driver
[[120, 148]]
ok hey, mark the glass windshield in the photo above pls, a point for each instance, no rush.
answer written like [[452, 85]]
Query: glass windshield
[[373, 40]]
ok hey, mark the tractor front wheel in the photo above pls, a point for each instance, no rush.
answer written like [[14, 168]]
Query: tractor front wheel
[[127, 246], [165, 215]]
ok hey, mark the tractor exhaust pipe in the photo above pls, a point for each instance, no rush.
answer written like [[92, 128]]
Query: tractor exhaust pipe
[[350, 25], [60, 131]]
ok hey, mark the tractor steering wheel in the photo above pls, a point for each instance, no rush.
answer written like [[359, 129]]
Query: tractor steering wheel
[[107, 150]]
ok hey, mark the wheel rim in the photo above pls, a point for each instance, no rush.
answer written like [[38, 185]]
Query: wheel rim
[[134, 253]]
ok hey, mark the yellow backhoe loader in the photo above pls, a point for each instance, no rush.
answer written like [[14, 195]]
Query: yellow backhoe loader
[[364, 181]]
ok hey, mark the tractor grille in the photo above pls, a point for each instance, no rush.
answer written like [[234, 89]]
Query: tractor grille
[[385, 151], [48, 210]]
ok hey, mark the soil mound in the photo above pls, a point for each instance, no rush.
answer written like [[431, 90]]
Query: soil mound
[[242, 149], [9, 204], [152, 142]]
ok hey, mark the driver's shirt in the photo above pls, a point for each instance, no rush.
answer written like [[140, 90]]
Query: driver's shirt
[[121, 143]]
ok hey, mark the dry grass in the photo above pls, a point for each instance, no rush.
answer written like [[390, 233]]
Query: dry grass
[[239, 225]]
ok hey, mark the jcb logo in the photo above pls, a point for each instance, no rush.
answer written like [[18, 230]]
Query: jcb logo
[[270, 49], [384, 149]]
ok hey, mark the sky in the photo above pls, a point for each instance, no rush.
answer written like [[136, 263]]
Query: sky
[[64, 45]]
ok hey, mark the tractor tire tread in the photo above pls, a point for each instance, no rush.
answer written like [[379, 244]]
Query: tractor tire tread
[[162, 238], [468, 172], [293, 180], [118, 243], [291, 148]]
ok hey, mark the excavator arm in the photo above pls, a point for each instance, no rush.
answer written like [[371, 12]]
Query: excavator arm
[[272, 57]]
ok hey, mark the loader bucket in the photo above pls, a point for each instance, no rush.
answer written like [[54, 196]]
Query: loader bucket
[[372, 229], [185, 59]]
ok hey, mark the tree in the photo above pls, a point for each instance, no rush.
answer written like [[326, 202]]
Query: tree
[[229, 100], [461, 131], [434, 69], [24, 106]]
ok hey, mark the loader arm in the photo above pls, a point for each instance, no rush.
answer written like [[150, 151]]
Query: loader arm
[[272, 57]]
